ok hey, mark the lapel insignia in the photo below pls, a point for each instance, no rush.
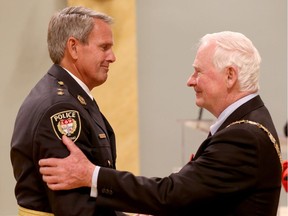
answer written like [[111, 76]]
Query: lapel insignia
[[81, 100], [60, 92], [67, 123], [61, 83], [102, 136]]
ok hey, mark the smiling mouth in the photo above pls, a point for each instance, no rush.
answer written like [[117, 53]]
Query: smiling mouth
[[105, 67]]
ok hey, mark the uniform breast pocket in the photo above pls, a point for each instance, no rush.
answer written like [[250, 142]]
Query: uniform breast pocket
[[102, 156], [101, 151], [99, 138]]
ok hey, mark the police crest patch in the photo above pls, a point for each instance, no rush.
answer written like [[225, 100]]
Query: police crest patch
[[67, 123]]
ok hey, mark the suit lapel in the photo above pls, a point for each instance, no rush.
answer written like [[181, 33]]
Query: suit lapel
[[242, 111], [238, 114]]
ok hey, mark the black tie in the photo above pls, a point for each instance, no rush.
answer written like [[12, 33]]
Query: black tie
[[209, 134], [96, 114]]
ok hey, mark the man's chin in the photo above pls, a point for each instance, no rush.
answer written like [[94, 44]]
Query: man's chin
[[100, 82], [199, 103]]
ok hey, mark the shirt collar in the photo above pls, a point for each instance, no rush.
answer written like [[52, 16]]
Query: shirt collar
[[82, 84], [230, 109]]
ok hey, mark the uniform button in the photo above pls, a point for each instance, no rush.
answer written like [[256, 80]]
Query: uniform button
[[109, 163]]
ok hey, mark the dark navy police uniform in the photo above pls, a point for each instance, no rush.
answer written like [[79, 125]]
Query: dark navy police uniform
[[58, 105]]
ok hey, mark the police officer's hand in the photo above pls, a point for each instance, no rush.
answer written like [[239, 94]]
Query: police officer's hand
[[67, 173]]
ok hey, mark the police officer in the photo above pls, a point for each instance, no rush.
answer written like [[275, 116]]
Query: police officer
[[80, 45]]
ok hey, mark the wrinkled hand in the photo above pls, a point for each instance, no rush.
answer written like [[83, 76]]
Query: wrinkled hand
[[67, 173]]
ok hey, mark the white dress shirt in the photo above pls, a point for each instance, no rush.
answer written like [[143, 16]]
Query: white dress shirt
[[230, 109]]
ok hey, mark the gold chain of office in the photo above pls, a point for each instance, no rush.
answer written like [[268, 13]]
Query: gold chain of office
[[271, 137]]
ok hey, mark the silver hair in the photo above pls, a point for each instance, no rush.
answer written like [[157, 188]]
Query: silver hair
[[73, 21], [235, 49]]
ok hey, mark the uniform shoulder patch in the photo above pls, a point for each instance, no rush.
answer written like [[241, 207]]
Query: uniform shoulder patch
[[67, 123]]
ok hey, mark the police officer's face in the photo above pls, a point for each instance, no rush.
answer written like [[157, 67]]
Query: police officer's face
[[95, 57]]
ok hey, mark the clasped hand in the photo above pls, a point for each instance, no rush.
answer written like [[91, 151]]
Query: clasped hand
[[67, 173]]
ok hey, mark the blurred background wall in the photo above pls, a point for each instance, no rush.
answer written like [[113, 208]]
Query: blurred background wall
[[145, 97]]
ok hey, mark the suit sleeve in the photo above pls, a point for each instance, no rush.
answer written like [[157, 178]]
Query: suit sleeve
[[226, 166]]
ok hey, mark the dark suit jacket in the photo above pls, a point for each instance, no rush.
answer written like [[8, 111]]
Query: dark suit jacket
[[55, 105], [234, 172]]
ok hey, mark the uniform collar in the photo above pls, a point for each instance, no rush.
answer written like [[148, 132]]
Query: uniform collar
[[75, 89], [82, 84]]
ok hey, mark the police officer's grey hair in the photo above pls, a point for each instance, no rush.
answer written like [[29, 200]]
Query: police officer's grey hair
[[235, 49], [77, 22]]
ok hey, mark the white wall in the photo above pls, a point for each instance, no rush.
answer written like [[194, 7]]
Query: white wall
[[167, 33], [24, 59]]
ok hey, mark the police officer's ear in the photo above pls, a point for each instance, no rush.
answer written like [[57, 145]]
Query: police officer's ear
[[72, 45], [231, 76]]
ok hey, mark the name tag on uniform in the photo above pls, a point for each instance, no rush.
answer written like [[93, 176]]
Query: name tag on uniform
[[102, 136]]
